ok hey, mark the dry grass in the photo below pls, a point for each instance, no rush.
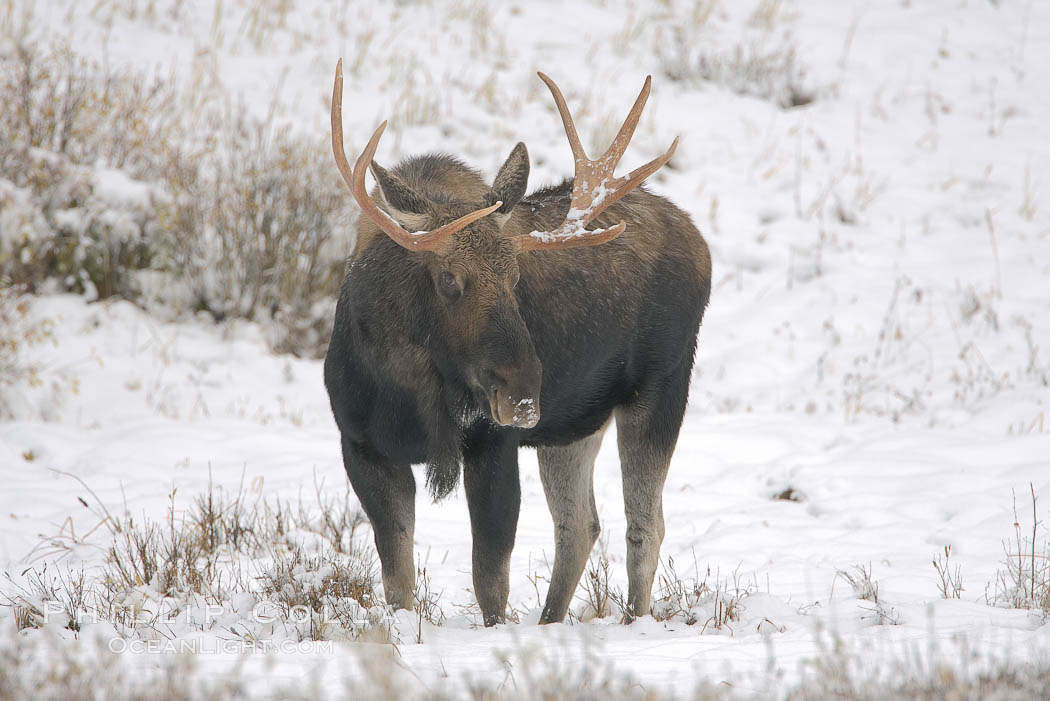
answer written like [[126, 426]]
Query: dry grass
[[66, 118], [1024, 580], [870, 387], [714, 602], [766, 14], [751, 69], [304, 567], [951, 586], [853, 675], [93, 674], [601, 599], [866, 588], [326, 596], [262, 229], [114, 186], [20, 334], [89, 673], [428, 607]]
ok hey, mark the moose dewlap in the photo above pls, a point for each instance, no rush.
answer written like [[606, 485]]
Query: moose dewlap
[[475, 319]]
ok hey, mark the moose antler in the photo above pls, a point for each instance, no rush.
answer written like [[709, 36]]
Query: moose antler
[[418, 241], [594, 186]]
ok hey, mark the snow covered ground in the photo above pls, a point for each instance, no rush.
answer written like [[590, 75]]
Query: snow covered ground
[[873, 372]]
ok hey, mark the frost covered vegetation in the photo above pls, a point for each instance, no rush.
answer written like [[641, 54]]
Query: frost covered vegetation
[[92, 674], [20, 334], [871, 389], [267, 573], [119, 185], [1024, 580], [259, 570]]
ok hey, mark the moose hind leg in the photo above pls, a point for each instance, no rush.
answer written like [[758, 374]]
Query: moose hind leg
[[647, 431], [387, 493], [490, 479], [567, 473]]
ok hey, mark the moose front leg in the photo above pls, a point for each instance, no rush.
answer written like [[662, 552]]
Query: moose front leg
[[490, 476], [387, 493]]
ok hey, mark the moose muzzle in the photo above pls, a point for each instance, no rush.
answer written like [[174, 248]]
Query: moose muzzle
[[518, 411], [514, 397]]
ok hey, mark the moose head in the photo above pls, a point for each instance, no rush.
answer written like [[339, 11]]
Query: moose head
[[473, 266]]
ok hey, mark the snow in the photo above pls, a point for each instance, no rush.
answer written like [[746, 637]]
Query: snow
[[575, 225], [115, 187], [878, 340], [525, 410]]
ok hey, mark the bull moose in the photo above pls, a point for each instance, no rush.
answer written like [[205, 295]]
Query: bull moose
[[474, 319]]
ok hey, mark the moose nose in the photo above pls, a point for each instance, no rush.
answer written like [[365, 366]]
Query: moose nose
[[511, 410], [514, 396]]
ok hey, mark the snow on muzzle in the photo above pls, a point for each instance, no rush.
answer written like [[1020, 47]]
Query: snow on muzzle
[[517, 409]]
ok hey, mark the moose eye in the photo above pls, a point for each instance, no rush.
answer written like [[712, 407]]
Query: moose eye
[[448, 283]]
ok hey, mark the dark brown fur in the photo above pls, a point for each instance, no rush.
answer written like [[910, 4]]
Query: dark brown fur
[[426, 345]]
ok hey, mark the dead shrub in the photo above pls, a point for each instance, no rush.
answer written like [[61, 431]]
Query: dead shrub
[[749, 68], [227, 549], [20, 333], [1024, 580], [114, 186]]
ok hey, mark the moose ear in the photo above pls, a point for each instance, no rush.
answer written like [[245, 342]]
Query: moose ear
[[402, 203], [512, 179]]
